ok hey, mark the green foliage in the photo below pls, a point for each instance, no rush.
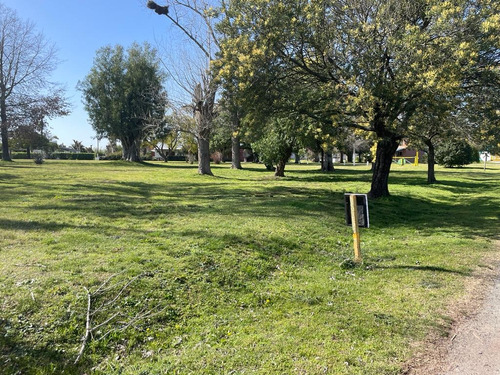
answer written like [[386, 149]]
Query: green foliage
[[456, 153], [73, 155], [353, 65], [221, 132], [38, 159], [19, 155], [177, 158], [117, 155], [276, 143], [123, 95]]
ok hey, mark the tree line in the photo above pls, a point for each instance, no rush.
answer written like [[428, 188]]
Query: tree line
[[293, 72], [284, 76]]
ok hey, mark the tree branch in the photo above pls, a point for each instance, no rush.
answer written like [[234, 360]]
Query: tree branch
[[164, 11], [88, 327]]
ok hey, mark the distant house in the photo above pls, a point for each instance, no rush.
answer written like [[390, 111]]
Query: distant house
[[404, 151], [406, 155]]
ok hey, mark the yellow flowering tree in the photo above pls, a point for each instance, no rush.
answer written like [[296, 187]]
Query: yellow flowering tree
[[353, 63]]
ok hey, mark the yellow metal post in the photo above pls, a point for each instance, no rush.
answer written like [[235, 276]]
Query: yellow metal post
[[416, 159], [355, 227]]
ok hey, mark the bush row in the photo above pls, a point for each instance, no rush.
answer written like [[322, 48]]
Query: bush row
[[19, 155], [73, 156]]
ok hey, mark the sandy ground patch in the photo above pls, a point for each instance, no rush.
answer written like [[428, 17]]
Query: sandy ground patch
[[473, 345]]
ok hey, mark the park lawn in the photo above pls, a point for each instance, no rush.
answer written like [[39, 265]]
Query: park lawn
[[240, 273]]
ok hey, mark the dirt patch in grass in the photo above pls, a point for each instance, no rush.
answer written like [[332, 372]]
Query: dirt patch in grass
[[438, 354]]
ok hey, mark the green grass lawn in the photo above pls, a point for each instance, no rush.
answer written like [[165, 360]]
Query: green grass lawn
[[234, 274]]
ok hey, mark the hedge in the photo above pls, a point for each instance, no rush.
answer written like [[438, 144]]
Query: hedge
[[19, 155], [73, 155], [177, 158]]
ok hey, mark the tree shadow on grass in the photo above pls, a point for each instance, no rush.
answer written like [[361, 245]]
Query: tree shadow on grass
[[454, 186], [467, 216], [168, 165], [18, 357], [423, 268], [31, 225], [338, 175], [8, 177]]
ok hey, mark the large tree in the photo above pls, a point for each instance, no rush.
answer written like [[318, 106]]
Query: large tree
[[26, 61], [30, 120], [357, 63], [195, 19], [124, 95]]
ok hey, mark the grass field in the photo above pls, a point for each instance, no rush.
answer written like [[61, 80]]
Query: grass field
[[234, 274]]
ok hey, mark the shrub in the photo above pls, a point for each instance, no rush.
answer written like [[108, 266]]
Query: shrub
[[38, 159], [19, 155], [73, 155], [113, 156], [453, 153], [177, 158]]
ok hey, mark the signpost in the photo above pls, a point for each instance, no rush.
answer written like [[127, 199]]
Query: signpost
[[356, 214]]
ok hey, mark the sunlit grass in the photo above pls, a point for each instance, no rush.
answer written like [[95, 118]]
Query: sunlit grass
[[240, 272]]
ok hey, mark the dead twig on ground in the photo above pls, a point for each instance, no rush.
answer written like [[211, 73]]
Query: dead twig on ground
[[88, 327], [107, 311]]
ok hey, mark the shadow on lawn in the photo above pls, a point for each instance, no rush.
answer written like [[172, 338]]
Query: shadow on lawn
[[31, 225], [453, 186], [18, 357], [466, 215], [7, 177], [423, 268]]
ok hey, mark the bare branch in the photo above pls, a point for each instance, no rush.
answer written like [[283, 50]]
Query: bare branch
[[88, 327], [161, 10]]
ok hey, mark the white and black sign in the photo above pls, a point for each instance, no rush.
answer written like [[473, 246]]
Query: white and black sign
[[362, 208]]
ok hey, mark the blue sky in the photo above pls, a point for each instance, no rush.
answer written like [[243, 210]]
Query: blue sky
[[79, 28]]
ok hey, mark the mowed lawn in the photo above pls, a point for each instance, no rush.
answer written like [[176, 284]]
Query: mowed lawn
[[240, 273]]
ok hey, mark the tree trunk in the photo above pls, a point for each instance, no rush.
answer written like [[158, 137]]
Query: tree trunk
[[131, 150], [431, 158], [280, 167], [203, 115], [235, 152], [341, 157], [349, 157], [28, 152], [5, 132], [386, 147], [204, 155], [327, 165]]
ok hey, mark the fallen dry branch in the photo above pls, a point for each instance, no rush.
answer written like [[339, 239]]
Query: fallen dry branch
[[109, 312], [88, 327]]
